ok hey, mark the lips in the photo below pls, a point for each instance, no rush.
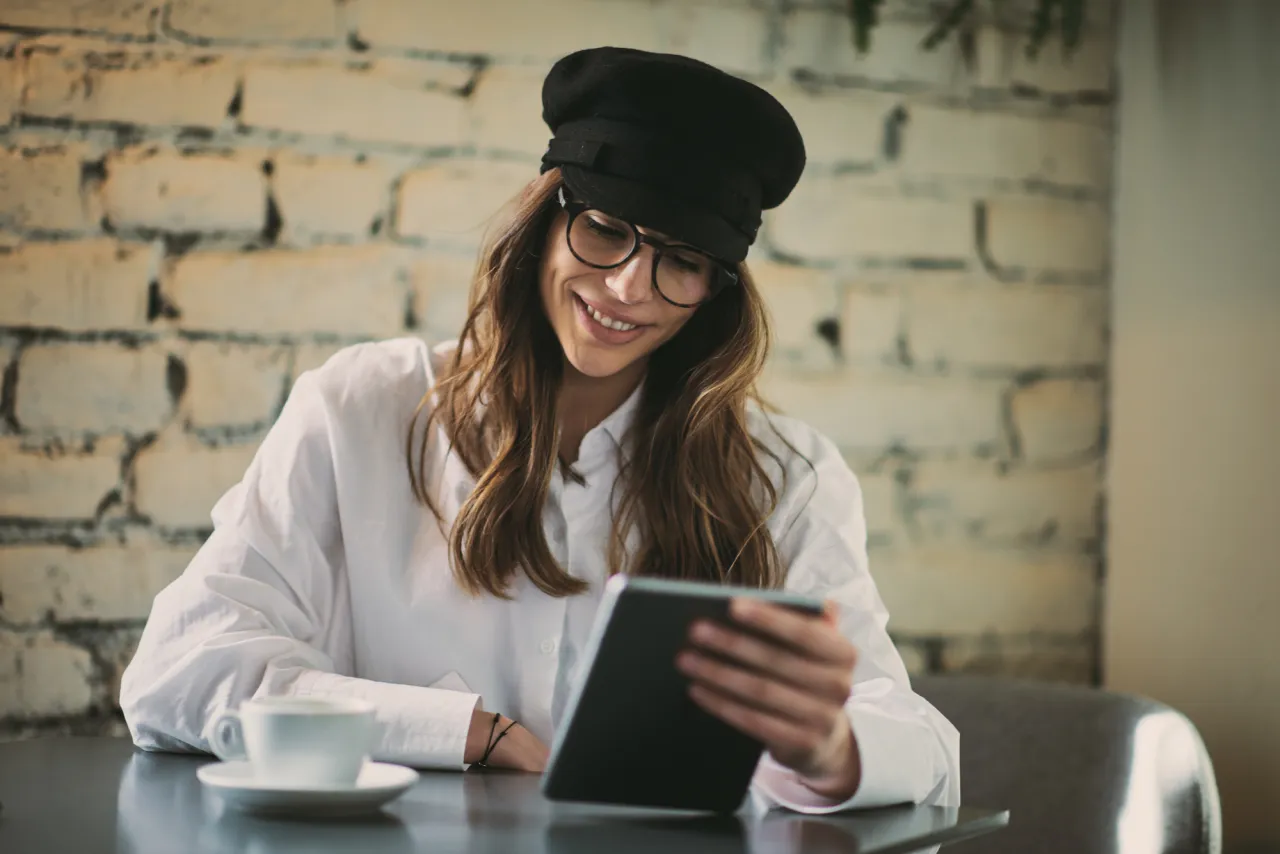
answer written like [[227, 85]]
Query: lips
[[602, 333], [608, 319]]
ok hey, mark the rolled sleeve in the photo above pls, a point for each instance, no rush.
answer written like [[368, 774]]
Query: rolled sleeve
[[909, 752], [900, 761], [417, 726]]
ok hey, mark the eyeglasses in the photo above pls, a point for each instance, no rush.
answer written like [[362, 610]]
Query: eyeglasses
[[682, 275]]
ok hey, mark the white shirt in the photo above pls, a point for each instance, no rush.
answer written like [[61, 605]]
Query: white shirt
[[324, 577]]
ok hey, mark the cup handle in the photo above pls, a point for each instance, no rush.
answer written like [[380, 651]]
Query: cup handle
[[227, 737]]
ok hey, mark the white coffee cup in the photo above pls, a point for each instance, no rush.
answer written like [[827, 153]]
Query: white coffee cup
[[307, 742]]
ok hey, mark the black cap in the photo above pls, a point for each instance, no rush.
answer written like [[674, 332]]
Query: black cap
[[670, 143]]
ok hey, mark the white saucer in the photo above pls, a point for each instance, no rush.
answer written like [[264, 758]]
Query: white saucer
[[378, 783]]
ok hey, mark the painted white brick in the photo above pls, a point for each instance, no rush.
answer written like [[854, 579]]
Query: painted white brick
[[987, 325], [92, 387], [1052, 234], [99, 85], [252, 21], [40, 675], [1058, 420], [832, 220], [374, 104], [838, 126], [40, 189], [953, 502], [1004, 611], [1003, 62], [871, 322], [727, 36], [115, 650], [10, 88], [233, 384], [798, 298], [547, 29], [1025, 657], [968, 144], [89, 285], [821, 41], [331, 197], [306, 357], [943, 591], [110, 582], [506, 110], [178, 480], [57, 485], [880, 504], [441, 285], [358, 290], [147, 188], [455, 201], [877, 411], [8, 355], [117, 17]]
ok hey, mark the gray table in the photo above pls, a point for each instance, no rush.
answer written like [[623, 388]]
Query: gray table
[[86, 795]]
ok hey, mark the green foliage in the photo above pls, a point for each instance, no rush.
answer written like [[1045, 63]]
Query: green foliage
[[1065, 18]]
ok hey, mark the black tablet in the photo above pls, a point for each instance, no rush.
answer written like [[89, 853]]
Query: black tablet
[[630, 733]]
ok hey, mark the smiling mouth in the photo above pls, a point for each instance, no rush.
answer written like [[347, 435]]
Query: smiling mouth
[[605, 320]]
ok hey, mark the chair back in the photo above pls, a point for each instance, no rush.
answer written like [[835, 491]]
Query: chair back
[[1080, 769]]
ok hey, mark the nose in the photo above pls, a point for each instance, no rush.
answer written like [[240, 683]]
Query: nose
[[631, 283]]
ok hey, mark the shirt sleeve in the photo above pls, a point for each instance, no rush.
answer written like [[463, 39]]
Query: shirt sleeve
[[263, 609], [909, 752]]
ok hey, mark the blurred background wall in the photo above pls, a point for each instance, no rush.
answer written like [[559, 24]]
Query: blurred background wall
[[1193, 522], [200, 199]]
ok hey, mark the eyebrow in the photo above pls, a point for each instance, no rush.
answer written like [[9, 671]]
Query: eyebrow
[[662, 236], [665, 238]]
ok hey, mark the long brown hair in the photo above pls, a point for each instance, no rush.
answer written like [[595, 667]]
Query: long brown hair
[[691, 478]]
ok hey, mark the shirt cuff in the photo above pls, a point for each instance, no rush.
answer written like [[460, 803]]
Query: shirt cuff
[[897, 767], [416, 726]]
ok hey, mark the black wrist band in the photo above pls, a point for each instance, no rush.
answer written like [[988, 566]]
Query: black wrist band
[[483, 761]]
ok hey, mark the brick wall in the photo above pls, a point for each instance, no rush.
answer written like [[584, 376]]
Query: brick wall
[[200, 200]]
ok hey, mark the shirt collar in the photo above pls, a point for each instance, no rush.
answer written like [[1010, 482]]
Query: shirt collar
[[613, 429], [618, 422]]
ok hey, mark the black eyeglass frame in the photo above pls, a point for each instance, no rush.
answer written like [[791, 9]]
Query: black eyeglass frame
[[723, 276]]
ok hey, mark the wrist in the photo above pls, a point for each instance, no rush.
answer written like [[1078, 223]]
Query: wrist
[[484, 728], [840, 779]]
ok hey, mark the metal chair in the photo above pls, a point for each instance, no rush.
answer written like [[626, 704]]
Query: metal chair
[[1082, 770]]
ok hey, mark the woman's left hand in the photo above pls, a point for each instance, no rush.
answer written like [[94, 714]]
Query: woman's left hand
[[789, 693]]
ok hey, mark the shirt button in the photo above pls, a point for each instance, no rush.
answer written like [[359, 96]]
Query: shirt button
[[548, 646]]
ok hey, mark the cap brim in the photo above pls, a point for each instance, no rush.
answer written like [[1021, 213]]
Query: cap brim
[[649, 207]]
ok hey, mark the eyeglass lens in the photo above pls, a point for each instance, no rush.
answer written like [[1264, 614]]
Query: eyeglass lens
[[683, 276]]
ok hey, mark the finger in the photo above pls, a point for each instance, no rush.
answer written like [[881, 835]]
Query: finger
[[824, 680], [814, 636], [759, 692], [792, 743]]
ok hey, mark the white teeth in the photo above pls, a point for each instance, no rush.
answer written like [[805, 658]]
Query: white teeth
[[609, 322]]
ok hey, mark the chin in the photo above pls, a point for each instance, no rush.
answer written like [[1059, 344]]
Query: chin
[[590, 361]]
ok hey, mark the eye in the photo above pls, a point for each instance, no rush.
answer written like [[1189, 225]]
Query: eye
[[604, 228], [689, 262]]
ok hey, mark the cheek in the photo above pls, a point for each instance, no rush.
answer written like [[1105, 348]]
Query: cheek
[[551, 279], [673, 321]]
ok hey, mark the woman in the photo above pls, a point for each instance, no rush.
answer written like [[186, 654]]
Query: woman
[[430, 528]]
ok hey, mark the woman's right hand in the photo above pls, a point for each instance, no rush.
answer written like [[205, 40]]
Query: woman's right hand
[[519, 749]]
